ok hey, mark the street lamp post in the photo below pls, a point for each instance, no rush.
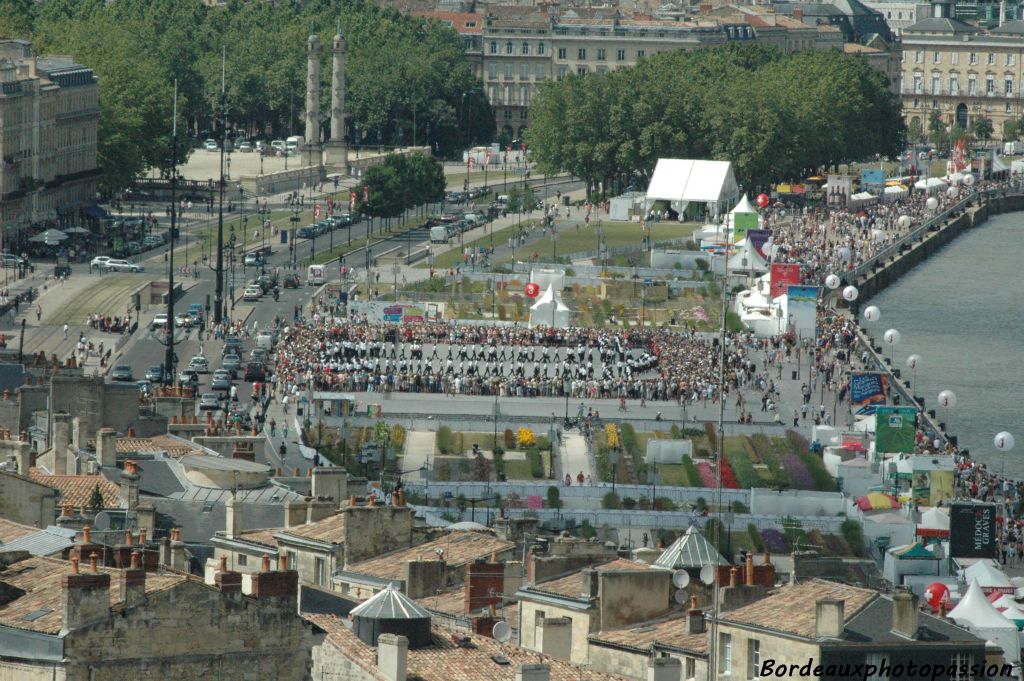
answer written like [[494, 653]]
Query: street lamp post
[[218, 314]]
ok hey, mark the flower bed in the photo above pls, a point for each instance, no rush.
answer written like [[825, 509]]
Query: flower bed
[[707, 476], [774, 541], [729, 480]]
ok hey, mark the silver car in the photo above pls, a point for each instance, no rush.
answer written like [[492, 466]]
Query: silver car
[[209, 401], [115, 265]]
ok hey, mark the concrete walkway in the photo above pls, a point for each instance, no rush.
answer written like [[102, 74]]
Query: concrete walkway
[[419, 450], [573, 458]]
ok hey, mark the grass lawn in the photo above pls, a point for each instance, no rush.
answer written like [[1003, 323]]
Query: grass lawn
[[449, 258], [577, 238], [673, 474], [518, 470]]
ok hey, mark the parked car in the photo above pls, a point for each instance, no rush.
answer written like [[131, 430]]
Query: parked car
[[209, 402], [155, 373], [199, 365], [97, 263], [210, 145], [290, 281], [188, 378], [255, 371], [245, 147], [121, 372], [252, 293], [221, 380], [123, 266]]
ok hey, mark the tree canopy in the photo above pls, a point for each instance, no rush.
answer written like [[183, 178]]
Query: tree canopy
[[774, 116], [400, 183], [403, 73]]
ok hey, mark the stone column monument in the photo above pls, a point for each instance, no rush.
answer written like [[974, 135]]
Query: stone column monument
[[337, 148], [311, 150]]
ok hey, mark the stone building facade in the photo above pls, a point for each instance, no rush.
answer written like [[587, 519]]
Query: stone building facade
[[49, 113]]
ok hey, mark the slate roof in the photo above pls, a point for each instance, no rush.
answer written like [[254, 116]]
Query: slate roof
[[9, 531], [174, 447], [330, 530], [12, 376], [77, 489], [40, 579], [459, 548], [793, 609], [158, 478], [48, 542], [668, 633], [445, 660], [1009, 28], [572, 584], [874, 624], [940, 25], [692, 550], [200, 520]]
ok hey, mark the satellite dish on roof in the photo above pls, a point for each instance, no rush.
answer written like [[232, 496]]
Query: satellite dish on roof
[[681, 579], [707, 574], [502, 632], [681, 597], [101, 522]]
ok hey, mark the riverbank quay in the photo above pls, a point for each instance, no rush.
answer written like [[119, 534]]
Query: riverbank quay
[[888, 266]]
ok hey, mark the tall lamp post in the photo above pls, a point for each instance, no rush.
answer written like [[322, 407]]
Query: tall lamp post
[[291, 241], [169, 355], [218, 313]]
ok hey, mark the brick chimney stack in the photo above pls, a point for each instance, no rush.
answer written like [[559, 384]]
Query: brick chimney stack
[[85, 597], [177, 549], [85, 548], [133, 581], [228, 581], [130, 485]]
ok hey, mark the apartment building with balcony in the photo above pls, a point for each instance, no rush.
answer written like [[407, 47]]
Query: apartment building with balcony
[[49, 113], [962, 71]]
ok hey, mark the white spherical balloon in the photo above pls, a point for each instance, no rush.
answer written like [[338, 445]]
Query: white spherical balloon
[[878, 235], [850, 293], [905, 221], [872, 313], [844, 253], [947, 399], [937, 443], [892, 336], [913, 361], [1003, 441], [951, 192], [832, 281], [932, 203], [969, 180]]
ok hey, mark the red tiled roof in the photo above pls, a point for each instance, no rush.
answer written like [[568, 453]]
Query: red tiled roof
[[464, 23], [261, 537], [445, 660], [10, 531], [77, 489], [572, 585], [330, 530], [40, 579], [670, 631], [459, 548], [158, 443], [793, 609]]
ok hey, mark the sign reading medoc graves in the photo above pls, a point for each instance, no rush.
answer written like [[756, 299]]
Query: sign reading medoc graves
[[972, 530]]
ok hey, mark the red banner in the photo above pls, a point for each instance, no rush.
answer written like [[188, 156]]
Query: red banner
[[488, 156], [366, 193], [959, 155], [470, 163], [783, 275], [316, 211], [351, 200], [330, 206]]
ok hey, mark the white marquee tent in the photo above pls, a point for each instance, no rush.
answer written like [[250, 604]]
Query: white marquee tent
[[683, 181], [975, 613], [549, 310], [931, 184], [747, 260]]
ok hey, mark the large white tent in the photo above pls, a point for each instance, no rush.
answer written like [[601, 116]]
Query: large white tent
[[931, 184], [549, 310], [683, 181], [893, 192], [746, 260], [988, 577], [998, 166], [975, 613]]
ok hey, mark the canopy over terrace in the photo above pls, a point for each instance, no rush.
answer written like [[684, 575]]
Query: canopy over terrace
[[680, 182]]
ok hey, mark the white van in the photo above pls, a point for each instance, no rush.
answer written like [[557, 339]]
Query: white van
[[316, 275], [293, 143], [265, 340], [1012, 148]]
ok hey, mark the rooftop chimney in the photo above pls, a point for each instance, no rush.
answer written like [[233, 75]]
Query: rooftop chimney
[[694, 618], [393, 656], [295, 512], [106, 447], [85, 597], [233, 524], [798, 13], [750, 570], [23, 450], [133, 581], [130, 485], [177, 551], [591, 583], [533, 672], [904, 614], [664, 668], [555, 635], [61, 442], [829, 618], [228, 581]]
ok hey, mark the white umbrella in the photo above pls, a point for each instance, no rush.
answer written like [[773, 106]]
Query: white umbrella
[[50, 235]]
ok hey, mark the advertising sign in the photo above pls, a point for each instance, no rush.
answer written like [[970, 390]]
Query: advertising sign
[[894, 429], [742, 223], [758, 238], [972, 530], [872, 178], [868, 387], [783, 275], [959, 156], [802, 309], [316, 211]]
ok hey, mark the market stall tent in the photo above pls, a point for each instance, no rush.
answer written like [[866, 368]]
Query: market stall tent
[[549, 310]]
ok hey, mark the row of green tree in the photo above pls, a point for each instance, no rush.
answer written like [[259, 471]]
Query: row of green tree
[[401, 183], [407, 79], [775, 116]]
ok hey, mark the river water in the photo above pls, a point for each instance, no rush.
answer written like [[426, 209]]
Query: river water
[[961, 311]]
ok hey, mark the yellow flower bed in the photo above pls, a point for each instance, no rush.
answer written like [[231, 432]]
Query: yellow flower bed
[[525, 437], [611, 433]]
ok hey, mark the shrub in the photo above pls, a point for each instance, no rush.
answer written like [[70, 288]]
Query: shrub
[[554, 497], [611, 500], [587, 530], [676, 433], [536, 462], [444, 439], [743, 470], [755, 538], [398, 436], [499, 462], [628, 503], [665, 504], [853, 534], [525, 437], [498, 451], [701, 504], [510, 439], [644, 503], [457, 443], [629, 438], [739, 507], [774, 541], [543, 443]]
